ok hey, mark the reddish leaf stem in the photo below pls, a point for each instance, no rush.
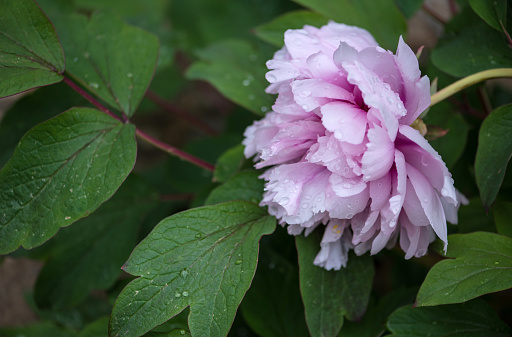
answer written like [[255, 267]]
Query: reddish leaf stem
[[174, 151], [155, 142], [91, 99], [169, 107]]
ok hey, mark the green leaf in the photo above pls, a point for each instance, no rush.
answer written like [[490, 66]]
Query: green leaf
[[61, 171], [111, 59], [229, 163], [150, 15], [272, 306], [30, 52], [502, 214], [381, 18], [42, 329], [473, 49], [330, 295], [472, 319], [237, 69], [98, 328], [482, 265], [374, 320], [204, 258], [21, 117], [273, 32], [494, 12], [91, 253], [244, 185], [493, 153]]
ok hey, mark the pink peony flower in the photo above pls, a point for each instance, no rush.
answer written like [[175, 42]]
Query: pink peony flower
[[342, 151]]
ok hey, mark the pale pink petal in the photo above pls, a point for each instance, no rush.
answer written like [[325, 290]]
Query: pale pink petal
[[380, 191], [345, 208], [312, 93], [356, 37], [345, 120], [377, 94], [446, 186], [429, 202], [344, 187], [378, 159]]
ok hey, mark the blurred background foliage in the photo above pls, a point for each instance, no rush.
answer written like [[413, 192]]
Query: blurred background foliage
[[207, 88]]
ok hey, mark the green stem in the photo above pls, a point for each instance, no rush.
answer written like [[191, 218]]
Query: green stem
[[468, 81]]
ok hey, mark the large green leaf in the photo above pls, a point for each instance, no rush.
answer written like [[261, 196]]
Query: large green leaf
[[472, 319], [482, 265], [22, 117], [493, 153], [244, 185], [61, 171], [494, 12], [273, 307], [473, 49], [237, 69], [111, 59], [273, 32], [204, 258], [381, 18], [330, 295], [89, 254], [30, 52]]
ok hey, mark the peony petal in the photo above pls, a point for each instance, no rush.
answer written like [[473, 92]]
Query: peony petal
[[446, 187], [356, 37], [380, 191], [378, 159], [377, 94], [312, 93], [290, 143], [346, 120], [345, 208], [413, 208], [429, 202], [322, 66], [344, 187]]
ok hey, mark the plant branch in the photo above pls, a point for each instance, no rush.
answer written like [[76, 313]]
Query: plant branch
[[174, 151], [91, 99], [155, 142], [468, 81], [169, 107]]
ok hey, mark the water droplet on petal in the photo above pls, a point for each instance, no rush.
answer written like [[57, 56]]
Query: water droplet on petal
[[424, 161], [284, 201]]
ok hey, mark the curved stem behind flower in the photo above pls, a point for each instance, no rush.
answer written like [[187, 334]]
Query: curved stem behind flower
[[469, 81]]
